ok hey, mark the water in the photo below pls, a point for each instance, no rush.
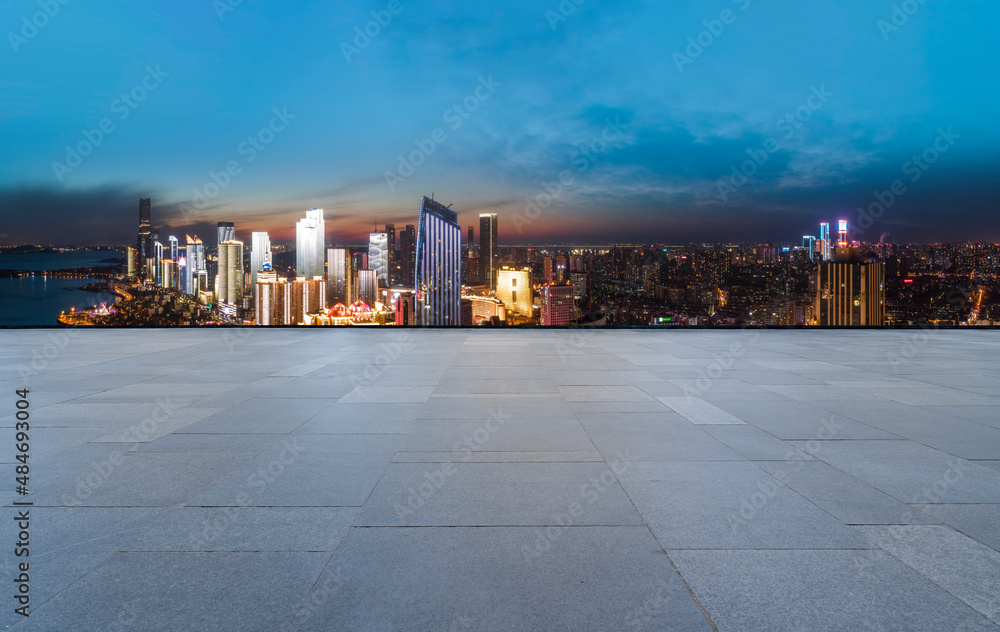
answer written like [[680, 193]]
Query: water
[[37, 300]]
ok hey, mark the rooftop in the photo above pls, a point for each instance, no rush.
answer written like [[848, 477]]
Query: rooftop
[[301, 479]]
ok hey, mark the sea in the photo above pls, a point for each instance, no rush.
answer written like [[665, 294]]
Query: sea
[[38, 300]]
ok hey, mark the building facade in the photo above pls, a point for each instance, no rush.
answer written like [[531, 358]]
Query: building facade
[[438, 268]]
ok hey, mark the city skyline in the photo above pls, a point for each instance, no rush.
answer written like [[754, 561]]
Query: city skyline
[[703, 123]]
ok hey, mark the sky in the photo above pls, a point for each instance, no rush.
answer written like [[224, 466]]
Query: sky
[[577, 121]]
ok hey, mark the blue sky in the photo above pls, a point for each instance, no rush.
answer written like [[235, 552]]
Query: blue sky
[[593, 122]]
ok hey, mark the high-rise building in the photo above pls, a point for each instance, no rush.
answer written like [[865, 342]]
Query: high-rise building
[[407, 254], [547, 266], [225, 231], [157, 263], [390, 234], [378, 256], [471, 241], [174, 262], [230, 287], [438, 266], [850, 293], [368, 287], [404, 308], [310, 244], [338, 277], [557, 304], [514, 289], [824, 236], [194, 265], [267, 304], [260, 253], [842, 233], [143, 243], [466, 310], [488, 255], [166, 273], [130, 259], [809, 243]]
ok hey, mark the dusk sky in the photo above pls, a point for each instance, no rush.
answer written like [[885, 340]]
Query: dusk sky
[[868, 87]]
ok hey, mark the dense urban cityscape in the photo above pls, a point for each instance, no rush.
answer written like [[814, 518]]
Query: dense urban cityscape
[[426, 275]]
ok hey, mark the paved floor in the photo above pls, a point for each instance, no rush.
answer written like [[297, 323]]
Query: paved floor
[[506, 480]]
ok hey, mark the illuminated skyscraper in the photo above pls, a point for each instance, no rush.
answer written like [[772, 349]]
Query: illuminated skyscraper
[[438, 266], [558, 302], [547, 266], [230, 288], [390, 234], [194, 260], [809, 243], [260, 253], [378, 256], [488, 255], [130, 259], [850, 294], [368, 287], [157, 263], [174, 262], [514, 289], [408, 253], [310, 244], [842, 233], [143, 244], [267, 303], [824, 236], [338, 277]]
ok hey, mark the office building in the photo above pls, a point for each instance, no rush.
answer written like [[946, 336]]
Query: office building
[[824, 236], [174, 262], [229, 289], [143, 243], [157, 261], [403, 305], [310, 244], [547, 269], [488, 255], [368, 287], [466, 311], [809, 244], [850, 293], [407, 255], [378, 256], [557, 304], [130, 260], [338, 277], [194, 266], [514, 289], [438, 266], [268, 307], [842, 233], [225, 231], [486, 308]]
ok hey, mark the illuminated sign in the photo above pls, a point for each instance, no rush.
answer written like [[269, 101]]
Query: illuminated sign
[[842, 224]]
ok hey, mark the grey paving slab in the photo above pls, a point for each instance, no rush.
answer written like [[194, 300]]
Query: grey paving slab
[[496, 434], [980, 521], [143, 590], [755, 444], [656, 439], [306, 471], [965, 568], [247, 529], [604, 393], [910, 472], [698, 411], [820, 590], [265, 416], [486, 456], [214, 442], [497, 494], [595, 578], [729, 505], [798, 420], [485, 407], [481, 386], [845, 497]]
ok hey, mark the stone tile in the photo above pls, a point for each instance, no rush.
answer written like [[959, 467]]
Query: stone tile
[[699, 411], [497, 494], [819, 590], [754, 444], [265, 416], [217, 590], [656, 439], [247, 529], [981, 522], [728, 505], [595, 578], [965, 568], [597, 393], [496, 434]]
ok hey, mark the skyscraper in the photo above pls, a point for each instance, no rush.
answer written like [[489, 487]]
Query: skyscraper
[[842, 233], [194, 257], [471, 241], [157, 260], [260, 253], [267, 295], [390, 234], [408, 253], [174, 262], [226, 232], [230, 289], [514, 289], [809, 243], [310, 244], [850, 294], [438, 266], [130, 258], [368, 287], [338, 277], [824, 235], [488, 255], [558, 302], [378, 256], [143, 244]]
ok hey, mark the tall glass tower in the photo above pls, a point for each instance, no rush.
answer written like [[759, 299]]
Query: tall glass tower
[[143, 244], [230, 289], [338, 276], [310, 244], [488, 255], [438, 266], [378, 257], [260, 253]]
